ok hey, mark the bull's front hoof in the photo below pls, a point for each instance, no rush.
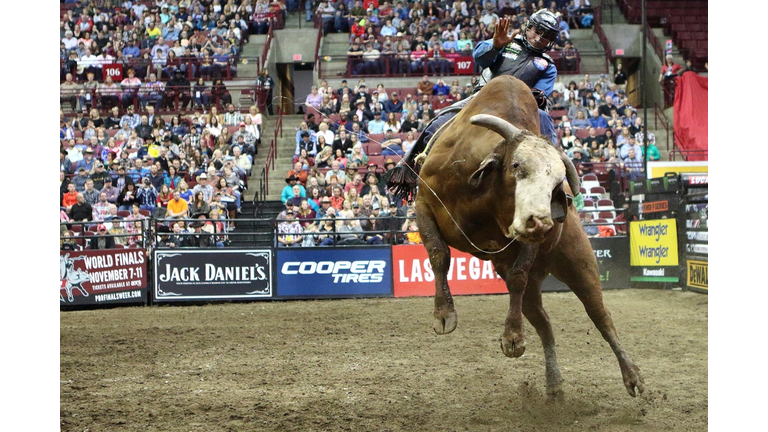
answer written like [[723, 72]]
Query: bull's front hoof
[[513, 346], [445, 322]]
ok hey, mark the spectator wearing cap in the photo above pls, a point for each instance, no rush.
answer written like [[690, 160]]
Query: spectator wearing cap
[[287, 192], [325, 204], [203, 186], [101, 240], [130, 118], [394, 104], [87, 162], [249, 138], [99, 175], [289, 231], [111, 191]]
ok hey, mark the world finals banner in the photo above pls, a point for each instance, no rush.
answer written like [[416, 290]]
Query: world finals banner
[[103, 277]]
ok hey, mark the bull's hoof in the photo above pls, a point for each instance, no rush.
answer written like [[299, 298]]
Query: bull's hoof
[[513, 346], [445, 322], [633, 381], [555, 392]]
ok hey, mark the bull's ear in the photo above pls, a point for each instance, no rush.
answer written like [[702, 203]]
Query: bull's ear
[[490, 163], [560, 203]]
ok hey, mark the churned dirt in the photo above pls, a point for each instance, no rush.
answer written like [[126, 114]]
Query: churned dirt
[[376, 365]]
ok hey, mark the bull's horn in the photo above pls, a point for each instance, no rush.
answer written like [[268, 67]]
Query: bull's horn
[[496, 124], [570, 173]]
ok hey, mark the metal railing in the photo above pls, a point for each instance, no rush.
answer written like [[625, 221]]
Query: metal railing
[[269, 164], [660, 117], [600, 32], [688, 155], [171, 98], [392, 66]]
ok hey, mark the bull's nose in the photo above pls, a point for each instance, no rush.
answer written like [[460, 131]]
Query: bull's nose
[[534, 223]]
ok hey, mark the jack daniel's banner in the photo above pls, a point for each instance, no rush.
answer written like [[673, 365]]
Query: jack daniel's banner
[[212, 275]]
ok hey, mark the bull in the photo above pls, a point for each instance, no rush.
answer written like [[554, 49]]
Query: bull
[[496, 190]]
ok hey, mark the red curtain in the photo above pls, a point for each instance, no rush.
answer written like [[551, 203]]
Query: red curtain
[[691, 113]]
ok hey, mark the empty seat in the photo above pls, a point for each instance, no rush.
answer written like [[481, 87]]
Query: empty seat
[[605, 204], [373, 148]]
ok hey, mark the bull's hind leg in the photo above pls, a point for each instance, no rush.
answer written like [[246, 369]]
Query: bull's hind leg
[[537, 316], [578, 269], [516, 278], [592, 298], [440, 259]]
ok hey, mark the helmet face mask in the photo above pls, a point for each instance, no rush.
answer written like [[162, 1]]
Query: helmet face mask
[[545, 25]]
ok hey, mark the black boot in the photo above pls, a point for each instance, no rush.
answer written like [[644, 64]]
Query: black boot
[[401, 181]]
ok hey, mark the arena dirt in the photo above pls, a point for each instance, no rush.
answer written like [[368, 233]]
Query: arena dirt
[[376, 365]]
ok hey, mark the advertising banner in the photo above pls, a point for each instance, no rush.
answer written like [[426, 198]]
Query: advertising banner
[[659, 168], [612, 254], [103, 277], [653, 249], [467, 274], [212, 274], [697, 275], [334, 272], [413, 274]]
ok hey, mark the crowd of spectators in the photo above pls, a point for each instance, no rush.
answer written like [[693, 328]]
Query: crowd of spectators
[[596, 123], [118, 169], [414, 37]]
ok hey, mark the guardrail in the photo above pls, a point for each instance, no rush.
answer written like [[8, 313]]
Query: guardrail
[[598, 11], [269, 164], [660, 117], [175, 100], [392, 66]]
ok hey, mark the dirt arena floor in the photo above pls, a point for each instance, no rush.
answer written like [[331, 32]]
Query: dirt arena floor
[[376, 365]]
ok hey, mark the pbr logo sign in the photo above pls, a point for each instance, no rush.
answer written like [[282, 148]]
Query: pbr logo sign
[[94, 277], [212, 275], [342, 272]]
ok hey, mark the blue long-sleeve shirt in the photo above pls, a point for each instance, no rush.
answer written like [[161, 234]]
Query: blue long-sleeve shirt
[[486, 55]]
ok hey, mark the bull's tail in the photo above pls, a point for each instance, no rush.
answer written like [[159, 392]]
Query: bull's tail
[[402, 181]]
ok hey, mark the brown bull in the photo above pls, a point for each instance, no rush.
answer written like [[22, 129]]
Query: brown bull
[[492, 189]]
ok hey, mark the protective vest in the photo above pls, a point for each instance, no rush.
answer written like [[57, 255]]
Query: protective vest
[[520, 62]]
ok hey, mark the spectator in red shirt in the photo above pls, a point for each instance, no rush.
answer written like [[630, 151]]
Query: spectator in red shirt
[[438, 62]]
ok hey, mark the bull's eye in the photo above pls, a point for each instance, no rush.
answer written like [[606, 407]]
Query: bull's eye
[[516, 165]]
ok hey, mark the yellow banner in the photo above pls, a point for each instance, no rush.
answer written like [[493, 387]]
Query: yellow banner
[[698, 274], [653, 243]]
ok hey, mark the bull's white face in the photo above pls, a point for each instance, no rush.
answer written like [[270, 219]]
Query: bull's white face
[[531, 170], [537, 170]]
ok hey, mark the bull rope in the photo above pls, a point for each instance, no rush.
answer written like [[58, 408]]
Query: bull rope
[[454, 220], [327, 119]]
